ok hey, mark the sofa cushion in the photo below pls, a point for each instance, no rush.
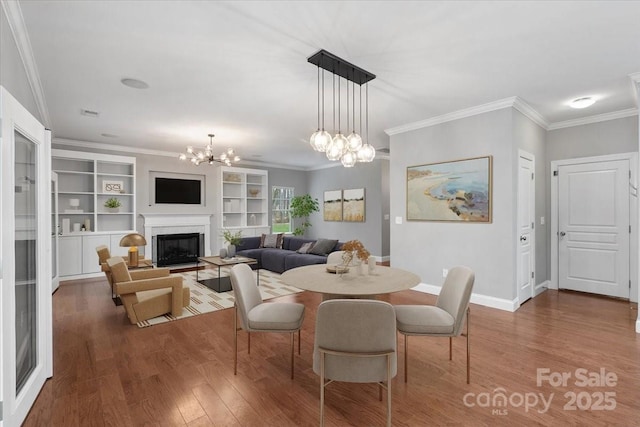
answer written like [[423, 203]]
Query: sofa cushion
[[273, 259], [299, 260], [271, 240], [305, 248], [248, 243], [293, 243], [255, 253], [323, 247]]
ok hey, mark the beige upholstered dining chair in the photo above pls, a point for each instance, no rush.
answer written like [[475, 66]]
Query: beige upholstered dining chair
[[355, 342], [257, 316], [445, 319]]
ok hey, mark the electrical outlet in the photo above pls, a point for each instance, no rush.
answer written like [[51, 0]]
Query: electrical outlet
[[445, 271]]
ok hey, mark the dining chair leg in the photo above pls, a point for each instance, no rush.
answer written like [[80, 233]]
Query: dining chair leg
[[468, 350], [321, 389], [292, 346], [380, 392], [235, 339], [450, 348], [406, 359], [298, 342], [389, 390], [248, 342]]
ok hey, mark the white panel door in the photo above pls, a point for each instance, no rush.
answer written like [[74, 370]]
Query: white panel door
[[593, 227], [526, 219], [25, 260]]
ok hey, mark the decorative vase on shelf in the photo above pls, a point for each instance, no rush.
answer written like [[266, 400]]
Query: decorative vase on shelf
[[113, 210], [231, 251]]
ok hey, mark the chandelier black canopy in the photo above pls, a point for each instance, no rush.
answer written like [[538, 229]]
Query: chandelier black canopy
[[349, 149]]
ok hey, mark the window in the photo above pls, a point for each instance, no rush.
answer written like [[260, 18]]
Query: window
[[280, 202]]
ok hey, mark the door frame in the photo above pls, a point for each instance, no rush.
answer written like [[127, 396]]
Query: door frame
[[534, 291], [14, 117], [633, 215]]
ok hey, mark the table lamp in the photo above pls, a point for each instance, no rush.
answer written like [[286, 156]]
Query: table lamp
[[132, 241]]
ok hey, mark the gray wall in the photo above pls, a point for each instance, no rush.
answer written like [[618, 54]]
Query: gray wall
[[12, 73], [386, 232], [531, 138], [363, 175], [425, 248]]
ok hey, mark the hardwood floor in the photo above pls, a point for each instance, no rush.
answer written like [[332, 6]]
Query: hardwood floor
[[109, 372]]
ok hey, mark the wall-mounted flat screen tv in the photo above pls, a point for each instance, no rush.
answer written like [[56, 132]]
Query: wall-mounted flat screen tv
[[178, 191]]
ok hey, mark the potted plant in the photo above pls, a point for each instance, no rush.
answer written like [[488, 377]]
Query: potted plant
[[112, 204], [302, 207], [233, 240]]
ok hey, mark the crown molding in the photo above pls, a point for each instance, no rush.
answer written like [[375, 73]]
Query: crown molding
[[455, 115], [594, 119], [512, 102], [526, 109], [19, 31], [136, 150], [635, 83], [379, 156]]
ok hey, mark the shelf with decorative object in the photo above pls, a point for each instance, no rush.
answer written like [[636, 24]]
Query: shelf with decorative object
[[85, 182], [243, 201]]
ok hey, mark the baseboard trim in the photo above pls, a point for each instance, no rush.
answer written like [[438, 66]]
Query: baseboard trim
[[485, 300], [541, 287]]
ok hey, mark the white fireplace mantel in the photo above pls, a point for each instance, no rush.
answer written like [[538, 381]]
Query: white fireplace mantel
[[155, 224]]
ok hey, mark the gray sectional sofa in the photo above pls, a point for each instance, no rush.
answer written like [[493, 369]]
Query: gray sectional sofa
[[281, 260]]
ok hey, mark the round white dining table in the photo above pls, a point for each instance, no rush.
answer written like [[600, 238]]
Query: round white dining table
[[383, 280]]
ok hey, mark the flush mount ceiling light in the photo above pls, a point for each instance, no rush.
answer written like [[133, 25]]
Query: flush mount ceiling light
[[350, 149], [206, 156], [584, 102], [134, 83]]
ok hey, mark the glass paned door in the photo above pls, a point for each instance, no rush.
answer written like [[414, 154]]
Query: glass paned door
[[25, 258], [26, 242]]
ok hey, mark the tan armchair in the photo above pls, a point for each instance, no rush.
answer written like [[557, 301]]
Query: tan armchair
[[103, 255], [148, 293]]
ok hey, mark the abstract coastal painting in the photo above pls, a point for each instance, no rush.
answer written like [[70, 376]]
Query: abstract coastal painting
[[458, 190], [332, 206], [353, 205]]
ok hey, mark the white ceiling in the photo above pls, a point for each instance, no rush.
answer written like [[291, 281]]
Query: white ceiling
[[239, 69]]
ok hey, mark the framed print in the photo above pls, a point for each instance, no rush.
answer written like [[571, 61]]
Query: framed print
[[353, 205], [112, 186], [458, 190], [332, 206]]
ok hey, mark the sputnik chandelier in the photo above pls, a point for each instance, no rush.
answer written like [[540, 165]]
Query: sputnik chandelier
[[227, 157], [348, 149]]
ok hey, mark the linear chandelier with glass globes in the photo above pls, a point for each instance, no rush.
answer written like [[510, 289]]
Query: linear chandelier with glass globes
[[348, 149], [227, 157]]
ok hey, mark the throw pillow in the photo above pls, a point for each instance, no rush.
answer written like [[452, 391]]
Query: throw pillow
[[305, 248], [323, 247], [272, 240]]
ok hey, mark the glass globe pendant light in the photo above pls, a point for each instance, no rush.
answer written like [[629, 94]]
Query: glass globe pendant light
[[349, 159], [367, 153], [312, 139], [354, 141], [338, 144]]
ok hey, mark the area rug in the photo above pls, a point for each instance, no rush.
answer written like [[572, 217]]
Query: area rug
[[205, 300]]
